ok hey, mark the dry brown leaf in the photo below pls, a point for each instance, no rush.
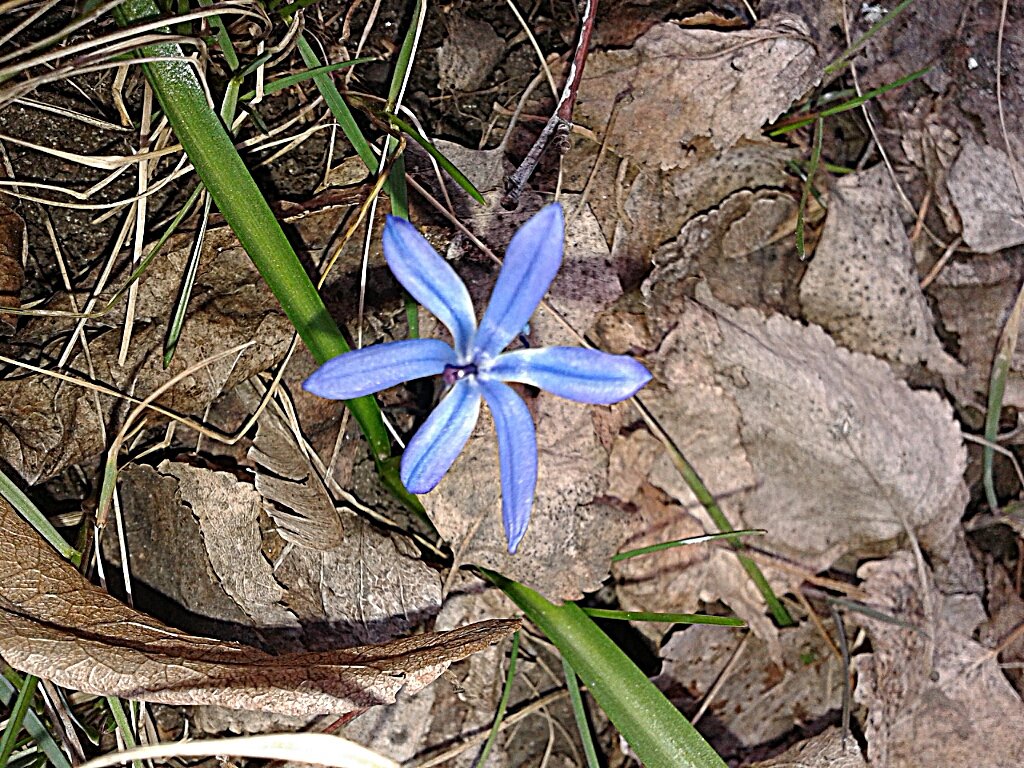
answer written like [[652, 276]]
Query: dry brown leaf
[[469, 53], [369, 588], [293, 494], [986, 197], [826, 750], [824, 448], [700, 91], [862, 284], [934, 696], [46, 425], [56, 625], [757, 700]]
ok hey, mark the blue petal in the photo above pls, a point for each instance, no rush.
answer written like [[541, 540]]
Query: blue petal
[[434, 448], [517, 454], [371, 369], [531, 263], [584, 375], [429, 279]]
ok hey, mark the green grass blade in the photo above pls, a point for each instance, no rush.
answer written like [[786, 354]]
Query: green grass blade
[[848, 105], [280, 83], [656, 730], [188, 280], [670, 618], [996, 390], [9, 739], [448, 166], [346, 120], [846, 55], [506, 692], [236, 194], [687, 541], [124, 726], [34, 727], [805, 193], [23, 504], [580, 715]]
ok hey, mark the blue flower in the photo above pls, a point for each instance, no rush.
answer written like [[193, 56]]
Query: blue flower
[[475, 367]]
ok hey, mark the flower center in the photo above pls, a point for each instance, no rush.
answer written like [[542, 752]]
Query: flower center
[[453, 373]]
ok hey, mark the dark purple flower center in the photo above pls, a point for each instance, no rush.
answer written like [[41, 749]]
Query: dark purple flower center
[[453, 373]]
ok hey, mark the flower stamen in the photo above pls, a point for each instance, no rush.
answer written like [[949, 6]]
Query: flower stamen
[[453, 373]]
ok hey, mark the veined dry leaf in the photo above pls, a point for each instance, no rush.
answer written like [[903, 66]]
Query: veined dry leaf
[[862, 284], [934, 696], [697, 91], [56, 625], [293, 494]]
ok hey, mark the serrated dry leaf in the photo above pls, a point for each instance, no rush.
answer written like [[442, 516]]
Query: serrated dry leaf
[[824, 448], [293, 494], [862, 284], [697, 89], [56, 625], [983, 190], [934, 696], [47, 425], [371, 587]]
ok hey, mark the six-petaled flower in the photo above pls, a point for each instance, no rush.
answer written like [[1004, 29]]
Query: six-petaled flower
[[475, 366]]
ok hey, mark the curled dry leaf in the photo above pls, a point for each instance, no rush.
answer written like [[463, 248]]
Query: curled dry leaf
[[700, 91], [56, 625], [367, 588], [862, 284], [47, 425], [934, 695]]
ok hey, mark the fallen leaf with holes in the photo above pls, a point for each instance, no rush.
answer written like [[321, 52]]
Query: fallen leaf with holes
[[824, 448], [987, 198], [56, 625], [751, 698], [572, 533], [862, 283], [934, 696], [700, 91], [369, 587], [826, 750], [47, 425]]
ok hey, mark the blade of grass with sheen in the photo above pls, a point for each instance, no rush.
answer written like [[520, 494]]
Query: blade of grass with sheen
[[579, 714], [239, 199], [506, 692], [670, 618], [654, 728]]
